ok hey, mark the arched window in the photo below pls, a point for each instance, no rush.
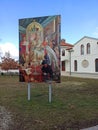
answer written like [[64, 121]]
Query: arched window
[[82, 49], [75, 65], [88, 48], [63, 65], [96, 65], [63, 52]]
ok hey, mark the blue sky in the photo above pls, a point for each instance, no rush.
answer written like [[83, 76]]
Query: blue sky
[[79, 18]]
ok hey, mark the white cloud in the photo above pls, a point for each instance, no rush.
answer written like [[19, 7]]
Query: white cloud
[[9, 47], [96, 32]]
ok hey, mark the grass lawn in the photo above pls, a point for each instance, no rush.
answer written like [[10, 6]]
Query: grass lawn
[[74, 104]]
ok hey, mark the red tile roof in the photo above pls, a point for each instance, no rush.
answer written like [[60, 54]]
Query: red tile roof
[[63, 43]]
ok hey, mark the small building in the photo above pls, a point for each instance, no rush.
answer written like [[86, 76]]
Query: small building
[[65, 57], [82, 57]]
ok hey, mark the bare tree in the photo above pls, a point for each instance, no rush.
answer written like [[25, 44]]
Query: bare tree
[[8, 63]]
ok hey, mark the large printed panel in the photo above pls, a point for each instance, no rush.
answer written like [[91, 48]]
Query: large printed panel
[[39, 49]]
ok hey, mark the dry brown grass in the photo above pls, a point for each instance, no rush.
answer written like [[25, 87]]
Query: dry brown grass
[[74, 104]]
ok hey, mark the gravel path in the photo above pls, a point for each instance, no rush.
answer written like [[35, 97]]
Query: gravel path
[[91, 128], [5, 119]]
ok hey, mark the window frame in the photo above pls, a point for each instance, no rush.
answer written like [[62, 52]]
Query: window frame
[[82, 49], [88, 48]]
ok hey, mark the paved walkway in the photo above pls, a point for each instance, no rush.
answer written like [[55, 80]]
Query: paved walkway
[[86, 75], [91, 128]]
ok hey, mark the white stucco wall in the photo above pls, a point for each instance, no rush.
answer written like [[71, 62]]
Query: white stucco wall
[[76, 55], [65, 58]]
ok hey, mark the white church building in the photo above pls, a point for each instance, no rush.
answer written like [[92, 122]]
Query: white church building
[[80, 58]]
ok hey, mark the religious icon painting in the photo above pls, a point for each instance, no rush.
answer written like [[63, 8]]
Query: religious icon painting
[[39, 49]]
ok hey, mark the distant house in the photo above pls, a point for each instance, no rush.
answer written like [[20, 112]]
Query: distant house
[[80, 58], [65, 55]]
